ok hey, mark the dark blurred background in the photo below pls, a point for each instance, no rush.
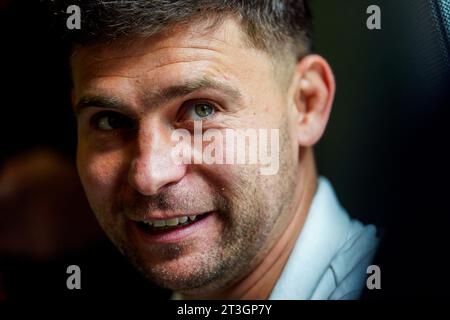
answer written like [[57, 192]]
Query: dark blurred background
[[385, 150]]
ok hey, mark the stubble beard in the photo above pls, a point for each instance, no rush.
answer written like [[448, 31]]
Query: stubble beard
[[248, 221]]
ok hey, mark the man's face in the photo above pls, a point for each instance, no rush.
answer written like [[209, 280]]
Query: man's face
[[134, 97]]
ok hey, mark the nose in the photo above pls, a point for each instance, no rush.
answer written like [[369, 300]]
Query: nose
[[152, 168]]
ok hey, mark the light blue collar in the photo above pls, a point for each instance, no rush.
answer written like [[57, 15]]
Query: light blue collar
[[323, 234]]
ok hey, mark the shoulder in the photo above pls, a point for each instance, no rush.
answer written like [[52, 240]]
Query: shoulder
[[347, 271], [331, 255]]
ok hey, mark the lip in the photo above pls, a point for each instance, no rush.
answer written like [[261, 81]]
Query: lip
[[175, 235]]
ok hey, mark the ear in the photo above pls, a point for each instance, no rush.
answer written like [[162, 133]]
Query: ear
[[312, 94]]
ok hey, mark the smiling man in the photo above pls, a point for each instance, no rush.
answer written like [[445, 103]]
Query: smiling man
[[143, 70]]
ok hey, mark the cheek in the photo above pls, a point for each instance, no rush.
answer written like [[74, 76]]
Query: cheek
[[100, 174]]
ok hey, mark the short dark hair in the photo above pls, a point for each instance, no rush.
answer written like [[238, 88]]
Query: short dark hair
[[270, 25]]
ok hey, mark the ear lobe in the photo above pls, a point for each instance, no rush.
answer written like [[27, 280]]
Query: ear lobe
[[313, 98]]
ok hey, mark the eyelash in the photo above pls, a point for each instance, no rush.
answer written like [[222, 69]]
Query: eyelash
[[191, 103], [96, 118], [184, 108]]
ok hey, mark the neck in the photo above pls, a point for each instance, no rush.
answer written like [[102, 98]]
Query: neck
[[258, 284]]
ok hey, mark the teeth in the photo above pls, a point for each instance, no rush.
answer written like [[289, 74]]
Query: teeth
[[182, 220], [159, 223], [170, 222]]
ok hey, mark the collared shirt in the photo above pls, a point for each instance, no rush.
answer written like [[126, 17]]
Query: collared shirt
[[331, 255]]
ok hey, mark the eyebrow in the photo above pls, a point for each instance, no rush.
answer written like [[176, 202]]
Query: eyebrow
[[99, 102], [157, 98]]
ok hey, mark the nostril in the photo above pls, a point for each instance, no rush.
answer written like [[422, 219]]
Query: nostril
[[149, 175]]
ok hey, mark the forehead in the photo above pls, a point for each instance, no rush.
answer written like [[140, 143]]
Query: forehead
[[182, 51]]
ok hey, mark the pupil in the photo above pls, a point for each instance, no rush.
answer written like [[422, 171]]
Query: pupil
[[114, 122], [203, 110]]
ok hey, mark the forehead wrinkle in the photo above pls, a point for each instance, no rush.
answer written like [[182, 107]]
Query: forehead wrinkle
[[99, 59], [157, 97], [214, 39], [189, 39], [155, 61]]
